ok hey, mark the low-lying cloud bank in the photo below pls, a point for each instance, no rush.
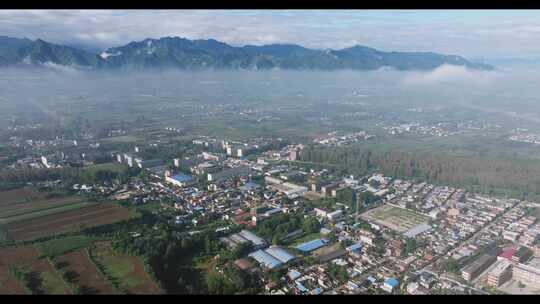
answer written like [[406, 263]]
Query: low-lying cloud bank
[[451, 74]]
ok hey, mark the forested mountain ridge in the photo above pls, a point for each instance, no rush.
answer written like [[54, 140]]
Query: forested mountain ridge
[[182, 53]]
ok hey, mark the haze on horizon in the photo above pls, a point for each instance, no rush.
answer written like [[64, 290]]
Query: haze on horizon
[[484, 34]]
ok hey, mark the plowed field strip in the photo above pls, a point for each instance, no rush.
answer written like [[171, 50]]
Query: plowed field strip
[[60, 216], [18, 209]]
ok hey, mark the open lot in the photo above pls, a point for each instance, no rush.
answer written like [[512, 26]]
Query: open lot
[[312, 196], [513, 287], [127, 270], [395, 218]]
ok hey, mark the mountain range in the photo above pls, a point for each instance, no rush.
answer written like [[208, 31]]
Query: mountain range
[[182, 53]]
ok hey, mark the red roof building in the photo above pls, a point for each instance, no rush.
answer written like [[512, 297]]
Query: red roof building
[[507, 254]]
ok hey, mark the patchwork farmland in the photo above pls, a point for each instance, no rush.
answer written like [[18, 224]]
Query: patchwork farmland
[[83, 273], [35, 269], [27, 214], [38, 275]]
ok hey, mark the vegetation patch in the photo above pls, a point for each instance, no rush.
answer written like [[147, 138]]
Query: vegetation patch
[[123, 270], [63, 245]]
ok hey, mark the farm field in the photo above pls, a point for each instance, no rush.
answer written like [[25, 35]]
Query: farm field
[[83, 273], [59, 246], [395, 218], [67, 221], [9, 285], [127, 270], [42, 275], [22, 215], [20, 195], [16, 209]]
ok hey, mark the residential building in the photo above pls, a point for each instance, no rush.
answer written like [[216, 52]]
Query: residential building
[[500, 273], [527, 274], [472, 270]]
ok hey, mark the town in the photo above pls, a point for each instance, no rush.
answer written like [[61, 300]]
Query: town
[[304, 229]]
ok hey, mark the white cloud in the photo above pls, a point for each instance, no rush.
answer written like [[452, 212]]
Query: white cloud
[[510, 34], [450, 74]]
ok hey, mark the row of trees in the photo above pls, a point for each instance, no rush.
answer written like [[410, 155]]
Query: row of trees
[[277, 227], [68, 175], [488, 175], [174, 261]]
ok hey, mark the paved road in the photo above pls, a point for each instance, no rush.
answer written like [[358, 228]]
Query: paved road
[[466, 241]]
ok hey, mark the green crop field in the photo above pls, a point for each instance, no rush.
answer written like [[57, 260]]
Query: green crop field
[[127, 271], [60, 246]]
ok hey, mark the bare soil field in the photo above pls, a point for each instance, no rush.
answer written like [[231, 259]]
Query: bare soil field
[[18, 255], [84, 273], [38, 204], [9, 285], [45, 277], [20, 195], [73, 220]]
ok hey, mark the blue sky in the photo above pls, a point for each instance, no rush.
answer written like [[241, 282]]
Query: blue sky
[[472, 33]]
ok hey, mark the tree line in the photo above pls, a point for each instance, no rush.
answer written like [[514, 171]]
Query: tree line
[[519, 178], [68, 175]]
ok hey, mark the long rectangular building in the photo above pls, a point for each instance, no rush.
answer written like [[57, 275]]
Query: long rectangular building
[[241, 171], [475, 268], [272, 257], [265, 259], [257, 241], [500, 273]]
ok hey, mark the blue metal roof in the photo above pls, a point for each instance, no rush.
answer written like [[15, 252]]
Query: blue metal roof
[[182, 177], [265, 259], [293, 274], [280, 254], [251, 237], [249, 186], [355, 247], [417, 230], [312, 245], [391, 282], [301, 287]]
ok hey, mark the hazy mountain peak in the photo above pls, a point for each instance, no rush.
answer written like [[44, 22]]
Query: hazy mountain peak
[[183, 53]]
